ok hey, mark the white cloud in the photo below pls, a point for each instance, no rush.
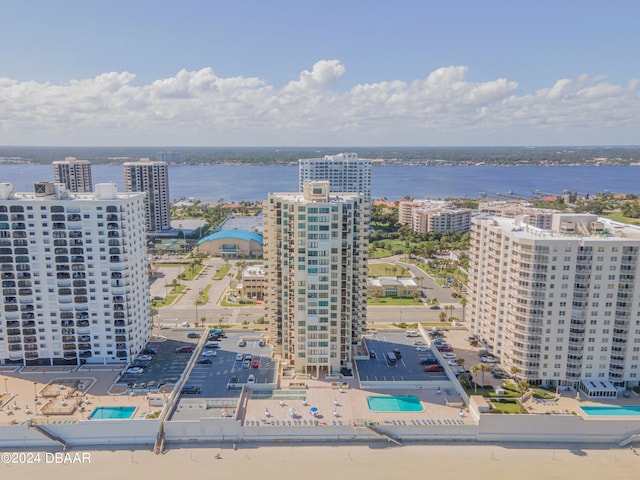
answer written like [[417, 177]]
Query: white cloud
[[201, 108]]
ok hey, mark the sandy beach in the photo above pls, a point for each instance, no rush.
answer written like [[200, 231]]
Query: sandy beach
[[371, 462]]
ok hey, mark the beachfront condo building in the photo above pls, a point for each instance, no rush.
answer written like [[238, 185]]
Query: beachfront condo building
[[153, 179], [433, 216], [345, 172], [74, 173], [559, 306], [315, 247], [74, 276]]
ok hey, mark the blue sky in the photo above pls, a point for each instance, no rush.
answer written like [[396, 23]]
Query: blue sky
[[245, 72]]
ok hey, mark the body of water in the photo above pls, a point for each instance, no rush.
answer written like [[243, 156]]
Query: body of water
[[234, 183]]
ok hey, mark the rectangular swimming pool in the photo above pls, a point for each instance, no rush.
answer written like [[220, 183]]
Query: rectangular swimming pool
[[112, 413], [395, 403], [611, 411]]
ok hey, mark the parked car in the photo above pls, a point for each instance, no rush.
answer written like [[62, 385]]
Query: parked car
[[242, 343], [190, 389], [411, 333], [418, 342], [434, 368], [209, 353], [149, 351], [205, 361], [428, 361], [212, 345], [255, 364], [251, 379], [449, 356], [489, 359], [372, 354], [246, 364], [397, 353], [248, 356], [184, 349], [193, 335], [134, 370], [145, 358], [445, 347], [452, 363], [422, 349], [239, 357]]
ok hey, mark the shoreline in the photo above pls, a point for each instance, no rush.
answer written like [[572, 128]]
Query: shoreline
[[321, 462]]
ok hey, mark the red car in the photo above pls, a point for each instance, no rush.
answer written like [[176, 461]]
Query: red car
[[434, 368], [255, 364]]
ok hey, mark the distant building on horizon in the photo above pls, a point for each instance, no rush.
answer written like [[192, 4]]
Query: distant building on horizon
[[168, 157], [74, 173], [345, 172], [153, 179]]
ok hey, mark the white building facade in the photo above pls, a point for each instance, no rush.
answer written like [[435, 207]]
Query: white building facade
[[74, 276], [562, 306], [153, 179], [345, 172], [316, 264]]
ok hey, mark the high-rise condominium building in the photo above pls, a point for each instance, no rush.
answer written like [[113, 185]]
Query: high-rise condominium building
[[345, 172], [153, 179], [316, 264], [74, 275], [558, 306], [74, 173]]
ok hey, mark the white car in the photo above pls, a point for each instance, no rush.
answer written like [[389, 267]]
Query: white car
[[209, 353], [489, 359], [452, 363], [251, 379], [449, 356], [135, 370], [422, 349], [418, 342], [239, 357], [145, 358]]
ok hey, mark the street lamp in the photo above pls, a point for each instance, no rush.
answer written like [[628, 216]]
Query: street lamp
[[6, 390], [35, 396]]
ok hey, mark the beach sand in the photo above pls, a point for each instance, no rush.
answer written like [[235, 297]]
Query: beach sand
[[371, 462]]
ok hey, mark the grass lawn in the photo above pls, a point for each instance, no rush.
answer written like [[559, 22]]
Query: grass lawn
[[618, 217], [189, 274], [224, 269], [204, 297], [380, 253], [168, 300], [507, 406], [387, 270], [390, 301]]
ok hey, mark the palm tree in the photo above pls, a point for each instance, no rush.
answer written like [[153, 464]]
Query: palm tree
[[460, 362], [481, 367], [450, 308], [514, 372], [475, 369], [463, 303], [443, 317]]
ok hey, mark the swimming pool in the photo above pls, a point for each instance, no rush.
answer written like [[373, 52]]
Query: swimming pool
[[395, 403], [112, 413], [611, 411]]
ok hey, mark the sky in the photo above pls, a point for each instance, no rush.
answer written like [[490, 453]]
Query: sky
[[329, 73]]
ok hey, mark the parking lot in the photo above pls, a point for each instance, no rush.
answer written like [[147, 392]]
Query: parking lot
[[213, 378], [407, 368]]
